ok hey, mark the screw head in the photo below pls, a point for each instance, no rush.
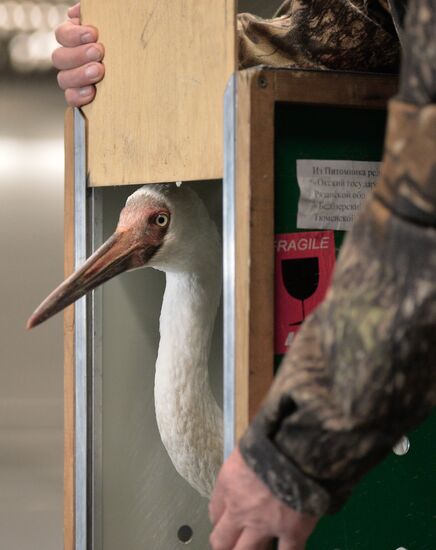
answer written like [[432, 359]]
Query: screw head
[[262, 81], [402, 446]]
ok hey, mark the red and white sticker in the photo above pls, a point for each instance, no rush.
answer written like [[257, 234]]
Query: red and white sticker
[[303, 267]]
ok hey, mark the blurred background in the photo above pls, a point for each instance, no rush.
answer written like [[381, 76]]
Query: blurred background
[[31, 264], [31, 229]]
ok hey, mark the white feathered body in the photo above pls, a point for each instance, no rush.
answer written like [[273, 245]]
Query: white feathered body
[[188, 417]]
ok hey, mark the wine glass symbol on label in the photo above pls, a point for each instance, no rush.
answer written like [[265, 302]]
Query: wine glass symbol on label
[[301, 278]]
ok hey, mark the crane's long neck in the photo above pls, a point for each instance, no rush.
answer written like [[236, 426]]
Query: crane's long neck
[[188, 417], [187, 319]]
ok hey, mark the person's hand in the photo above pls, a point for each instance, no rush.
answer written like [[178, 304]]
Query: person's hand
[[78, 60], [247, 516]]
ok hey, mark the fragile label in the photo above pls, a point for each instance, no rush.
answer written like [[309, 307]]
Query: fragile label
[[332, 192], [304, 264]]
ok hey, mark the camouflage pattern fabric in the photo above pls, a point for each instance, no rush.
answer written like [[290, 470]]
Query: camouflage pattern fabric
[[408, 184], [360, 373], [418, 74], [322, 34], [398, 10]]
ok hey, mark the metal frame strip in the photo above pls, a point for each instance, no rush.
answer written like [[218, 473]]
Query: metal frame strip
[[80, 337], [88, 236], [95, 396], [229, 182]]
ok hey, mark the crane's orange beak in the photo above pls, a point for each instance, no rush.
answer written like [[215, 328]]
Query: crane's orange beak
[[123, 251]]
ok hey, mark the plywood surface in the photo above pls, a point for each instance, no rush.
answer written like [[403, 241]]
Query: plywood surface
[[157, 116], [254, 250], [370, 91]]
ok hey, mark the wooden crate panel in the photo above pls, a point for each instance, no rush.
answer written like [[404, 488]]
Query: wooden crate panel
[[157, 116]]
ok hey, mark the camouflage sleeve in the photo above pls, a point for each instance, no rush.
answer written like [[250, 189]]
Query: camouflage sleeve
[[398, 10], [360, 371], [418, 74], [322, 34]]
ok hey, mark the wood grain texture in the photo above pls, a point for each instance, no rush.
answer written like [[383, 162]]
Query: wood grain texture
[[157, 116], [332, 88], [69, 385], [258, 89], [254, 245], [242, 252]]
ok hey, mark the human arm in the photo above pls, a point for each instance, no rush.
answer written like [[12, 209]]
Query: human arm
[[79, 59], [247, 515]]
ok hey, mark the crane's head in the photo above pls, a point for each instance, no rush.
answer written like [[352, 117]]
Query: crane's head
[[161, 226]]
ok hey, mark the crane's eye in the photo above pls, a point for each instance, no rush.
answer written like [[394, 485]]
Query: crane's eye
[[162, 220]]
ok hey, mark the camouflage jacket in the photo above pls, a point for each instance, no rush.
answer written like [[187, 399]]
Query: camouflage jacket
[[360, 371], [324, 34]]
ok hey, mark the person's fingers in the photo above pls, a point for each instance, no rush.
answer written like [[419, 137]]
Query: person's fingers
[[70, 34], [286, 544], [225, 534], [76, 97], [78, 59], [216, 510], [252, 540], [70, 58], [81, 76], [217, 504], [74, 11]]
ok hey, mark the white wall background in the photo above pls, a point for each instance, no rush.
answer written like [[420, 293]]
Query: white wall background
[[31, 363]]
